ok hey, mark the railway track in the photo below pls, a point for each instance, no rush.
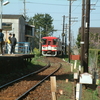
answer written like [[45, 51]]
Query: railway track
[[20, 89], [23, 95], [25, 76]]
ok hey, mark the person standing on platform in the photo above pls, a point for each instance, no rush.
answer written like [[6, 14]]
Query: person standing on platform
[[13, 44], [9, 43], [1, 42]]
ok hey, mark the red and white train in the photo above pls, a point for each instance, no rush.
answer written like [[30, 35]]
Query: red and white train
[[51, 46]]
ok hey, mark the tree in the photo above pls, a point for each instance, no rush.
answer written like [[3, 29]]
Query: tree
[[43, 24], [78, 40], [43, 21]]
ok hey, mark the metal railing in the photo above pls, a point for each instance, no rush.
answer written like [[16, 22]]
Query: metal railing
[[20, 48]]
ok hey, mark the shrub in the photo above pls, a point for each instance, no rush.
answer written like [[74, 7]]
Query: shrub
[[36, 52]]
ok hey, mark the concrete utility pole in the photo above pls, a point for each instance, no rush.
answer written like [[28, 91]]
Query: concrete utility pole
[[69, 51], [86, 36], [1, 3], [24, 8], [69, 48], [82, 32], [66, 41], [40, 40], [63, 33]]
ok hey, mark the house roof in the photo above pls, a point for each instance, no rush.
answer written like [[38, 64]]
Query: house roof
[[92, 30], [8, 16]]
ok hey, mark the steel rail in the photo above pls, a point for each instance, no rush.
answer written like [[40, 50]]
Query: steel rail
[[25, 76], [24, 94]]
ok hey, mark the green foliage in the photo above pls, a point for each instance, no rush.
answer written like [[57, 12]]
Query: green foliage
[[92, 94], [44, 21], [94, 58], [39, 61], [36, 52], [43, 26], [78, 40]]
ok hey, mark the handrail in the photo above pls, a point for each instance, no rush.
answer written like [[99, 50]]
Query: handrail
[[20, 48]]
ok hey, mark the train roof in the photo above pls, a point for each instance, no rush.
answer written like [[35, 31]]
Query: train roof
[[50, 37]]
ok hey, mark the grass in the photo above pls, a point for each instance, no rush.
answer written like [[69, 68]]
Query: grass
[[67, 87], [36, 61], [87, 94], [90, 94]]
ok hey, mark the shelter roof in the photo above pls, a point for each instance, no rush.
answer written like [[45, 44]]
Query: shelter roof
[[8, 16]]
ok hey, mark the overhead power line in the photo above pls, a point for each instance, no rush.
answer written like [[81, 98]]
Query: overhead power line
[[47, 4], [54, 4]]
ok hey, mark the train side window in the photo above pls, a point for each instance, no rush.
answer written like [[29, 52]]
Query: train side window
[[44, 41]]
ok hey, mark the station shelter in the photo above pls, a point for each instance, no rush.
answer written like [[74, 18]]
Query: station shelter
[[24, 33]]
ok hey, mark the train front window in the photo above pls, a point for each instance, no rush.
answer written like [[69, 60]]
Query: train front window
[[44, 41], [54, 41], [49, 42]]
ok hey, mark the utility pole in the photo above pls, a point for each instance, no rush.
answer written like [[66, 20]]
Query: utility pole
[[82, 32], [24, 8], [69, 51], [40, 40], [69, 48], [1, 4], [66, 41], [86, 36], [63, 34]]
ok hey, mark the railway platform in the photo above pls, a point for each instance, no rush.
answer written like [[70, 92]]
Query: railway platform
[[10, 62], [24, 56]]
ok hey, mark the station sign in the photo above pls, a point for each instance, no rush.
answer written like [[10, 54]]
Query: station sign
[[75, 57], [7, 26]]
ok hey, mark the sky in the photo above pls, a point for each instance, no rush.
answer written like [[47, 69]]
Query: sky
[[56, 9]]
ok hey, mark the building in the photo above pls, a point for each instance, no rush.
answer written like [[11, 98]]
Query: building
[[92, 30], [17, 25], [94, 37]]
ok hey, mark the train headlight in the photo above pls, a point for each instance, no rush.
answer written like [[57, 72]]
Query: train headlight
[[44, 48]]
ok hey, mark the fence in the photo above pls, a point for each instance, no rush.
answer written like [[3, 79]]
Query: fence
[[20, 48]]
